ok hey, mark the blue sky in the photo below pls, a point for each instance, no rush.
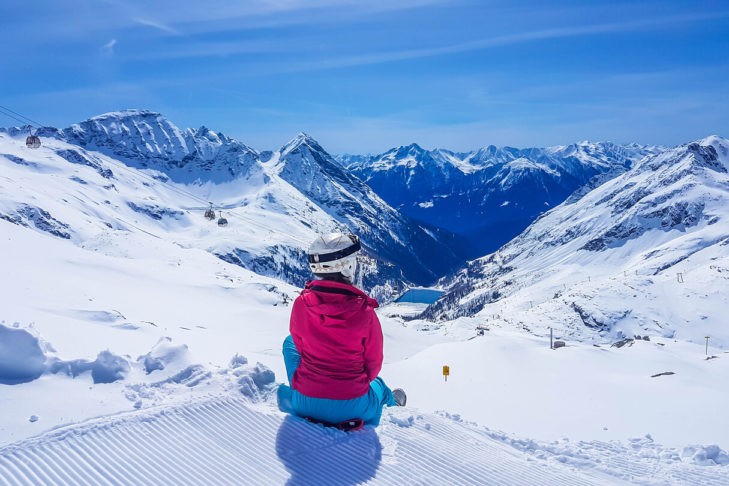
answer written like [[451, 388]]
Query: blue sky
[[363, 76]]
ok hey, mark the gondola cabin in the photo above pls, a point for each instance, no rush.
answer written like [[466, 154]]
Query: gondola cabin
[[222, 221], [210, 214], [33, 141]]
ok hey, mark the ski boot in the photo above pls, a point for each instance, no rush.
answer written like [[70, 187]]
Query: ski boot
[[400, 397]]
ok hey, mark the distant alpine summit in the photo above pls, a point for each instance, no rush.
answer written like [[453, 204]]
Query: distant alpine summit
[[492, 194]]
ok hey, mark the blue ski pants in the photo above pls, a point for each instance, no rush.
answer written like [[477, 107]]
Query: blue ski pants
[[368, 407]]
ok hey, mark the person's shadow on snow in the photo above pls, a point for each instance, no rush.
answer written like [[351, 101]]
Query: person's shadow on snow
[[316, 455]]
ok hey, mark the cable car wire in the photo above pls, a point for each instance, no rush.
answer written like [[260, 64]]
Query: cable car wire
[[24, 122], [33, 122]]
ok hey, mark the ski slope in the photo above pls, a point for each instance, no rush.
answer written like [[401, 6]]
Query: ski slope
[[228, 440], [191, 421], [133, 319]]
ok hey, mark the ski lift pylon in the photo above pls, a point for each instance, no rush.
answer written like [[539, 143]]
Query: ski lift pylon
[[32, 141]]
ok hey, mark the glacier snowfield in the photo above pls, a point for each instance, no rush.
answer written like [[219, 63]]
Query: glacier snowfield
[[132, 353]]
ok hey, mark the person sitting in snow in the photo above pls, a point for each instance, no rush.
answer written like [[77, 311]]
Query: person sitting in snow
[[334, 352]]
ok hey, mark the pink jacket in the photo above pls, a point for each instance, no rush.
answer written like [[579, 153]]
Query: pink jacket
[[337, 333]]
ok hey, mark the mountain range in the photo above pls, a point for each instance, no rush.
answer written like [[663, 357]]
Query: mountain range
[[644, 252], [490, 195], [592, 210], [277, 202]]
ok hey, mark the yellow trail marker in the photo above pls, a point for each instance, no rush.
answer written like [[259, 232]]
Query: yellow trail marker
[[446, 372]]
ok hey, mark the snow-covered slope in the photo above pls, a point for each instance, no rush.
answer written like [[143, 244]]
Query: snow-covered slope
[[147, 173], [645, 252], [229, 441], [96, 201], [232, 441], [492, 194]]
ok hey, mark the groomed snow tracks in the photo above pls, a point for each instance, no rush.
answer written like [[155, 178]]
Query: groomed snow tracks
[[230, 441]]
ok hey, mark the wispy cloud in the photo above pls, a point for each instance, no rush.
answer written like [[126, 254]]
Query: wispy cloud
[[211, 49], [504, 40], [108, 48], [157, 25], [206, 12], [309, 65]]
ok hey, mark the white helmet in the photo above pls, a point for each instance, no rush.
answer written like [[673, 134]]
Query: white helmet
[[334, 253]]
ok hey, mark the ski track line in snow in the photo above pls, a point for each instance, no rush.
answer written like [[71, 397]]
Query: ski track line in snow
[[228, 440]]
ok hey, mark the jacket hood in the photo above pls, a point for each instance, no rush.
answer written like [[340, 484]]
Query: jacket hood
[[336, 299]]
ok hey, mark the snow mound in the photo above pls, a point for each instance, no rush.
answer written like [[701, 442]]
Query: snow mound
[[106, 368], [21, 356], [162, 354], [164, 376], [254, 381], [25, 356], [706, 455]]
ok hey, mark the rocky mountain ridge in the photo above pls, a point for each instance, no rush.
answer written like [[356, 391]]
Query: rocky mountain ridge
[[489, 195]]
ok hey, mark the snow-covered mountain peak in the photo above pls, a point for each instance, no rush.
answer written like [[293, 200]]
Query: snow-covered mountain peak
[[412, 149], [204, 131], [301, 140], [491, 155], [593, 152], [517, 170], [305, 165], [714, 140], [308, 167], [129, 123], [128, 113], [133, 133], [414, 156], [147, 139], [708, 153], [720, 144]]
